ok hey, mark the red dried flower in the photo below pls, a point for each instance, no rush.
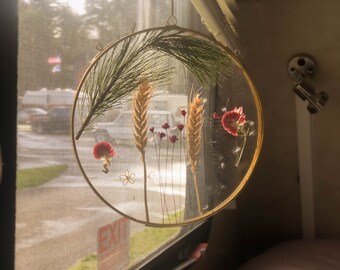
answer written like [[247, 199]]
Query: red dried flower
[[103, 150], [180, 127], [173, 138], [216, 116], [165, 126], [152, 129], [233, 120], [161, 135], [183, 113]]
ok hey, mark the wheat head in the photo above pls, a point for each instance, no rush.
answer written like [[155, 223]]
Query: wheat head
[[140, 105], [194, 130]]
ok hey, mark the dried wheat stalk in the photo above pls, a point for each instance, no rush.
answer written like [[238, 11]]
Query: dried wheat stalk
[[140, 105], [194, 136]]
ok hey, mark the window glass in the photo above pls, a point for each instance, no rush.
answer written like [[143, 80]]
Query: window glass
[[60, 222]]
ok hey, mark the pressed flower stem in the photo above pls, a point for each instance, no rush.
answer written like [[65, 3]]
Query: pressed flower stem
[[172, 180], [180, 176], [197, 193], [241, 152], [145, 190], [159, 178], [185, 162], [164, 205], [166, 163], [163, 185]]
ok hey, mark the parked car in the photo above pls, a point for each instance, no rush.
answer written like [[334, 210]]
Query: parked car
[[121, 129], [25, 115], [57, 119]]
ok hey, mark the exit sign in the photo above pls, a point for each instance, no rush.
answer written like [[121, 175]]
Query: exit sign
[[113, 245]]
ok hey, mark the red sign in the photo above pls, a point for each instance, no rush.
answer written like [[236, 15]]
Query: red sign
[[54, 60], [113, 245]]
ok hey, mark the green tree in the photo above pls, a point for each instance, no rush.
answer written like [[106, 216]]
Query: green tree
[[49, 29], [36, 43], [73, 45], [109, 19]]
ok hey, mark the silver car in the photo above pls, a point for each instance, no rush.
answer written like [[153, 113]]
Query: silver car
[[25, 115]]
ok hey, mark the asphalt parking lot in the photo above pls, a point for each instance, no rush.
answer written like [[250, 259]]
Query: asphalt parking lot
[[57, 222]]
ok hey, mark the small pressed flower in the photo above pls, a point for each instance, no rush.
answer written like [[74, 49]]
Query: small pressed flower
[[233, 121], [183, 113], [180, 127], [103, 149], [161, 135], [152, 129], [216, 116], [105, 152], [127, 178], [165, 126], [173, 138]]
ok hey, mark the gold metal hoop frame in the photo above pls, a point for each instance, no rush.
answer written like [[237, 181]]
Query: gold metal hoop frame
[[259, 124]]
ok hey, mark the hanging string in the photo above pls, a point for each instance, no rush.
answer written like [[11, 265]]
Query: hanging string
[[172, 20], [171, 8]]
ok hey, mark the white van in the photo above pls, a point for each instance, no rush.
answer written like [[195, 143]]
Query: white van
[[47, 99]]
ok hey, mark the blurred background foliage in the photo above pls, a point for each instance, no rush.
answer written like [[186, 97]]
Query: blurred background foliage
[[51, 29]]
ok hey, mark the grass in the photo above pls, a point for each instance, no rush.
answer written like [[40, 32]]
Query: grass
[[37, 176], [88, 263], [141, 244]]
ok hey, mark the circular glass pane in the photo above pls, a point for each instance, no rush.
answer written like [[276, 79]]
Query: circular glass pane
[[166, 126]]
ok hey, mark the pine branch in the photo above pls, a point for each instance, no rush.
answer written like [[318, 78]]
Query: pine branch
[[203, 58], [120, 69]]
